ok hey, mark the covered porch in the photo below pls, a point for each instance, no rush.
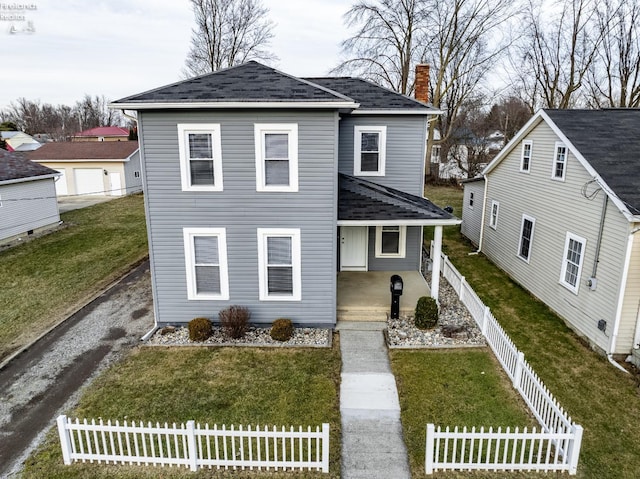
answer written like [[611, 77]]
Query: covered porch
[[365, 295]]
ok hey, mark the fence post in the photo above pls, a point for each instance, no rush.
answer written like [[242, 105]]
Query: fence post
[[517, 374], [191, 442], [574, 448], [428, 457], [325, 447], [485, 321], [65, 440], [462, 288]]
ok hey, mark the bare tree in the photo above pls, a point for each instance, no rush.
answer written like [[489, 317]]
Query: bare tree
[[556, 53], [390, 40], [508, 116], [92, 112], [228, 32], [614, 79]]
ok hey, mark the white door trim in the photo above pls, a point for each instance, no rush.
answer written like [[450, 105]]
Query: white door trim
[[354, 239]]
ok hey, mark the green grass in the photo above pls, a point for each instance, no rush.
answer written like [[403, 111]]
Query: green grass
[[45, 279], [601, 398], [211, 385]]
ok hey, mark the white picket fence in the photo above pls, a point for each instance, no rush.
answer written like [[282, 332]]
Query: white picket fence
[[194, 446], [559, 435]]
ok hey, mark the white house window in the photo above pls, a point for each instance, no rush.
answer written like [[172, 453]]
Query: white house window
[[276, 147], [526, 237], [200, 150], [572, 262], [369, 150], [205, 251], [560, 162], [391, 241], [471, 198], [495, 209], [525, 161], [279, 264]]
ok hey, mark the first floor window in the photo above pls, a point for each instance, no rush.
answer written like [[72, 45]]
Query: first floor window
[[200, 151], [276, 148], [369, 150], [526, 237], [206, 263], [279, 264], [495, 207], [390, 241], [572, 261]]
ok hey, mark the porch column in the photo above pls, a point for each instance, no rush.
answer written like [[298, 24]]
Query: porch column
[[436, 261]]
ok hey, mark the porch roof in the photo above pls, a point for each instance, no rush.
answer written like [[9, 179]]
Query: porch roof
[[362, 202]]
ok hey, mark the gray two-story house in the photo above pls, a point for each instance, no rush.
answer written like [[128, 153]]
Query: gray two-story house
[[260, 187]]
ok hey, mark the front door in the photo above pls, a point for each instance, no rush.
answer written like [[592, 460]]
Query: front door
[[353, 248], [116, 186]]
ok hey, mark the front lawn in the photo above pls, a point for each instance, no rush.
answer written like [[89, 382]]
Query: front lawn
[[248, 386], [598, 396], [46, 279]]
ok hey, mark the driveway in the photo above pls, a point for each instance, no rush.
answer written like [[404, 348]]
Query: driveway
[[47, 379], [68, 203]]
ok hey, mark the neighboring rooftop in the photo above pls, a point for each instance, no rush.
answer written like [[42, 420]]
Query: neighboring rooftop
[[104, 131], [609, 140], [359, 199], [86, 150], [14, 167]]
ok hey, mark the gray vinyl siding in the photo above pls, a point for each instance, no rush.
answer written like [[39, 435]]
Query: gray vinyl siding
[[133, 184], [241, 210], [631, 303], [410, 262], [472, 215], [27, 206], [406, 137], [558, 207]]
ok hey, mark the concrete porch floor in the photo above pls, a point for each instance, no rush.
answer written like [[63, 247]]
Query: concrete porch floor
[[365, 296]]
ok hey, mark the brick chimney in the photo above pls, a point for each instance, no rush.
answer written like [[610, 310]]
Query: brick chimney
[[422, 83]]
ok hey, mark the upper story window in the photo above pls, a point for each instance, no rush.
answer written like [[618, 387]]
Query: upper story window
[[205, 252], [559, 162], [572, 262], [495, 209], [471, 199], [276, 156], [526, 237], [369, 150], [279, 264], [391, 241], [200, 151], [525, 159]]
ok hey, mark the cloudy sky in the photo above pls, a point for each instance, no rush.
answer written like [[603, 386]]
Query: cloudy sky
[[56, 51]]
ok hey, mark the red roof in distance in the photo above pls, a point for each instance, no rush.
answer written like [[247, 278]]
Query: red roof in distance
[[104, 131]]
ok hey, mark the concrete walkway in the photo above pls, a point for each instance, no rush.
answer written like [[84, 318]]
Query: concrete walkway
[[372, 441]]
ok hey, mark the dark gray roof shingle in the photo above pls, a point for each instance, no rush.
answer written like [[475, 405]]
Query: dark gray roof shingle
[[609, 140], [249, 82], [362, 200], [15, 167], [369, 95]]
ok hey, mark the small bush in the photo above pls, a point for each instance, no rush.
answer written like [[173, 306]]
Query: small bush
[[235, 320], [426, 316], [281, 329], [199, 329]]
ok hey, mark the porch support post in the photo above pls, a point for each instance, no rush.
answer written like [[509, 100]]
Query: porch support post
[[436, 259]]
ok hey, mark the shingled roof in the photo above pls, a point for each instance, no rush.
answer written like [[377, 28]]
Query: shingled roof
[[362, 200], [609, 140], [14, 168], [84, 150]]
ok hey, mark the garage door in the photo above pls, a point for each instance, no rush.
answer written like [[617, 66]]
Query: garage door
[[89, 181]]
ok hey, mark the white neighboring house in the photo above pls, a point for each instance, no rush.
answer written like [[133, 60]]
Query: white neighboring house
[[19, 141], [28, 202], [560, 214]]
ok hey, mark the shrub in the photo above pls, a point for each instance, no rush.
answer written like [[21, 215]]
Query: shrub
[[281, 329], [426, 316], [199, 329], [235, 320]]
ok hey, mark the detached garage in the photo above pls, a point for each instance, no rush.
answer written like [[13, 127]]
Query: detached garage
[[93, 168]]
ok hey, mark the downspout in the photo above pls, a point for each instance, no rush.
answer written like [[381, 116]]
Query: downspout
[[484, 210]]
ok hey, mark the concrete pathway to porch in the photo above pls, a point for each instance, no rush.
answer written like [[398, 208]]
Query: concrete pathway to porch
[[372, 440]]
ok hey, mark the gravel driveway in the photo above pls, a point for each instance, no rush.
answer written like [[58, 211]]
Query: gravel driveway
[[47, 379]]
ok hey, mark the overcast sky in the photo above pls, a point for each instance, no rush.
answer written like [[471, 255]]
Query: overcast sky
[[60, 50]]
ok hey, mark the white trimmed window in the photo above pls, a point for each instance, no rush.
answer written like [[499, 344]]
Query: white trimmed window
[[369, 150], [471, 199], [391, 241], [276, 156], [526, 237], [205, 252], [495, 210], [525, 158], [279, 263], [572, 260], [200, 150], [559, 162]]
